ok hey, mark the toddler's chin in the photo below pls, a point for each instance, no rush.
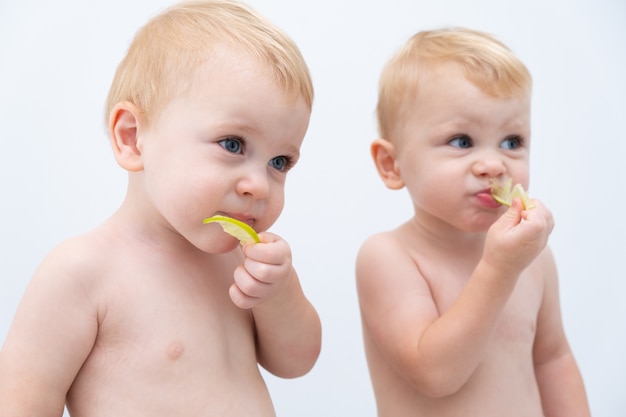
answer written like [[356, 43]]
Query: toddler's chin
[[223, 245]]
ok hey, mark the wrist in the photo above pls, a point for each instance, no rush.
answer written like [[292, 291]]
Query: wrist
[[498, 274], [285, 296]]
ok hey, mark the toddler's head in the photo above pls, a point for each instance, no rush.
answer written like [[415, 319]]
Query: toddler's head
[[485, 62], [169, 48]]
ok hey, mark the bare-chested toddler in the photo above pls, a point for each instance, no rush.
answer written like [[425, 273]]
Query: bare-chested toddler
[[154, 313], [460, 305]]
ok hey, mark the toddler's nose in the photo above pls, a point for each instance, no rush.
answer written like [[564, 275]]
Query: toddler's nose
[[488, 166], [255, 183]]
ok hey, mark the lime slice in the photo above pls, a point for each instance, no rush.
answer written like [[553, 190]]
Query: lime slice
[[504, 194], [235, 228]]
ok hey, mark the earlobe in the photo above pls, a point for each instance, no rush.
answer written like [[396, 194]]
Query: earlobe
[[124, 123], [383, 153]]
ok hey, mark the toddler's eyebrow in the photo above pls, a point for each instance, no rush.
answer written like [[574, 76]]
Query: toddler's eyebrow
[[294, 152]]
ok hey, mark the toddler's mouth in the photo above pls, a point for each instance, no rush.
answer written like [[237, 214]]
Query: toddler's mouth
[[237, 228], [244, 218], [506, 193], [485, 197]]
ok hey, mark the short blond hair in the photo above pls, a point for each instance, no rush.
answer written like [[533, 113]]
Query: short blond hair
[[487, 63], [171, 46]]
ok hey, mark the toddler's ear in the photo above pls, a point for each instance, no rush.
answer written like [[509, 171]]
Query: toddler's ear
[[124, 122], [383, 153]]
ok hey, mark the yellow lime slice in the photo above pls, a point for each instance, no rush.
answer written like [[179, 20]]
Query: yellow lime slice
[[504, 194], [235, 228]]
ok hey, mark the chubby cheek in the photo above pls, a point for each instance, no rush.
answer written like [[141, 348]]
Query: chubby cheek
[[272, 211], [519, 171], [191, 198], [440, 195], [436, 197], [524, 180]]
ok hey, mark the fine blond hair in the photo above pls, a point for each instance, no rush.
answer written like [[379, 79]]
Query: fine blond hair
[[171, 46], [486, 62]]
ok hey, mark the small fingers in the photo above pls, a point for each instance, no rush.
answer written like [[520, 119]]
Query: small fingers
[[264, 272], [246, 291], [249, 284], [274, 252], [240, 299]]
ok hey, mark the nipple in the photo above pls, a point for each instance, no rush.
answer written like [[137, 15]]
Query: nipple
[[175, 350]]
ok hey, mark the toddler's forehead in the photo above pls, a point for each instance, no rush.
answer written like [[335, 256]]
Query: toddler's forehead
[[225, 60], [227, 65], [445, 76], [492, 82], [219, 64]]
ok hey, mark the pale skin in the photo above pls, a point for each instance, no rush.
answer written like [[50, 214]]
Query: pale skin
[[154, 313], [460, 304]]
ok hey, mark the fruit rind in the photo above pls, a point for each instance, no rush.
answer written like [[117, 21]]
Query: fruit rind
[[235, 228], [505, 195]]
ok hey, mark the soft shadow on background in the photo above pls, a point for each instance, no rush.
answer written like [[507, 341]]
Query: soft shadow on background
[[58, 177]]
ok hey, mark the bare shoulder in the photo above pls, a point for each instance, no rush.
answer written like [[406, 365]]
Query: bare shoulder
[[377, 253], [382, 245], [388, 276], [77, 259], [72, 276], [76, 249], [57, 319]]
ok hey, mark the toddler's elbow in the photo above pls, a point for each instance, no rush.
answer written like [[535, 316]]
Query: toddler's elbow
[[436, 384], [296, 365], [300, 369]]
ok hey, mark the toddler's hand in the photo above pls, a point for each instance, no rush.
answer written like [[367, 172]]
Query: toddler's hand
[[518, 236], [265, 272]]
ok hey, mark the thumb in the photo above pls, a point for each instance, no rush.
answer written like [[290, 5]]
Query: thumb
[[513, 216]]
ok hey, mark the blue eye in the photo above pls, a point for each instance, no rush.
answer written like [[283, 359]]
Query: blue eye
[[512, 142], [280, 163], [233, 145], [463, 142]]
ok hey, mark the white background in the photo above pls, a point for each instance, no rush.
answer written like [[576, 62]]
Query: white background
[[58, 177]]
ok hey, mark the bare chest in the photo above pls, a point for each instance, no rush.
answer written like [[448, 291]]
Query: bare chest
[[517, 320], [170, 335]]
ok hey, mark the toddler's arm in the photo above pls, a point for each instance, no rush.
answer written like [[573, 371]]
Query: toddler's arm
[[560, 383], [438, 351], [51, 335], [288, 327]]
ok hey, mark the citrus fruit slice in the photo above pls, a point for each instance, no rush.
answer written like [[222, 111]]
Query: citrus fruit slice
[[235, 228], [504, 194]]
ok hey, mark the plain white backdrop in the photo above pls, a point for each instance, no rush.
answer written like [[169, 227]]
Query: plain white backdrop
[[58, 177]]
